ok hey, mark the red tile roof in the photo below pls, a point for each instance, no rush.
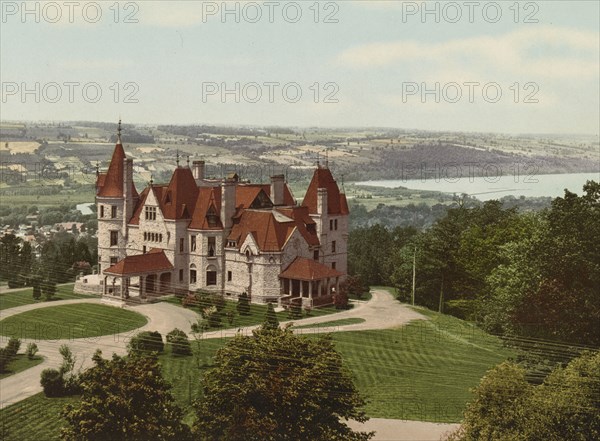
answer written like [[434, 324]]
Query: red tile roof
[[153, 261], [179, 198], [336, 201], [112, 183], [307, 269], [271, 232], [209, 198]]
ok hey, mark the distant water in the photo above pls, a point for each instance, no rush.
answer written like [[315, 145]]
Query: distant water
[[85, 208], [496, 187]]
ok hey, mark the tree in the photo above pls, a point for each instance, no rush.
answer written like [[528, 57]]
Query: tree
[[49, 287], [278, 386], [36, 282], [565, 407], [53, 383], [271, 321], [243, 304], [13, 346], [340, 298], [125, 398], [180, 345], [355, 286]]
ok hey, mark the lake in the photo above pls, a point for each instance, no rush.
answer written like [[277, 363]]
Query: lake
[[496, 187]]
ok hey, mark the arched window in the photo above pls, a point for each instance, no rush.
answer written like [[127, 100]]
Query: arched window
[[211, 275], [193, 274]]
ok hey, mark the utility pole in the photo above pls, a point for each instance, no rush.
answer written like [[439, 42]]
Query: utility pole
[[414, 275]]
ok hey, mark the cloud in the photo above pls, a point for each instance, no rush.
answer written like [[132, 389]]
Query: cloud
[[542, 51]]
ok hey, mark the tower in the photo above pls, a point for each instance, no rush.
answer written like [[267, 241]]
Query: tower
[[116, 197]]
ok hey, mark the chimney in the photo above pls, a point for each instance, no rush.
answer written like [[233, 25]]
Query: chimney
[[277, 188], [198, 170], [228, 202], [322, 201]]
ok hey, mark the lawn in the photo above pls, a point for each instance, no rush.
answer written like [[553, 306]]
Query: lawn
[[256, 316], [25, 296], [36, 417], [340, 322], [71, 321], [422, 371], [19, 363]]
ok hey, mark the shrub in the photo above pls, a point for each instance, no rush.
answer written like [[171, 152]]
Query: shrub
[[230, 317], [53, 383], [37, 291], [147, 341], [48, 288], [31, 350], [13, 346], [271, 321], [180, 345], [175, 333], [295, 311], [189, 301], [5, 358], [212, 316], [243, 304], [219, 302]]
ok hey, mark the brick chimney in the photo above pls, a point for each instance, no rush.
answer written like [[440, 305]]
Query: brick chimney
[[277, 188]]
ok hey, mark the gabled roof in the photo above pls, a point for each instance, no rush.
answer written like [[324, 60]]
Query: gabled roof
[[111, 185], [309, 270], [336, 201], [179, 198], [153, 261], [272, 228], [209, 200]]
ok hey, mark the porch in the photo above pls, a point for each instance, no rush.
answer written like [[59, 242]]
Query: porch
[[308, 283], [141, 277]]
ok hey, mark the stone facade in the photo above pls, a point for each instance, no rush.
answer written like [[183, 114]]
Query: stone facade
[[220, 235]]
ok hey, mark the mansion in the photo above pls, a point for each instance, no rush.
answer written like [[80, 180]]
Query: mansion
[[219, 235]]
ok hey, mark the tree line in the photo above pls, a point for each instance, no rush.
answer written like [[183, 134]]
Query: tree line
[[533, 274]]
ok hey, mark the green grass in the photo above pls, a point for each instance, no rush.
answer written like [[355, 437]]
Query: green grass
[[25, 296], [256, 315], [422, 371], [71, 321], [36, 417], [340, 322], [19, 363]]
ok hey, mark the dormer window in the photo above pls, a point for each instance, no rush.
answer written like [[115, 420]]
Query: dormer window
[[212, 218], [231, 243]]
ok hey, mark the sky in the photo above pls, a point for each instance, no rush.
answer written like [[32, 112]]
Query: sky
[[507, 66]]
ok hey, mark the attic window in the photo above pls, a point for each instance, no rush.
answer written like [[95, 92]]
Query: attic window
[[212, 218], [168, 198], [231, 243]]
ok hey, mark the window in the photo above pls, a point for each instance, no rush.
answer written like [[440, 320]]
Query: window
[[192, 276], [181, 244], [192, 243], [333, 246], [114, 261], [181, 275], [331, 225], [211, 246], [229, 276], [335, 224], [332, 265], [144, 249], [231, 243], [101, 210], [113, 211], [150, 213], [211, 277], [114, 238], [316, 254]]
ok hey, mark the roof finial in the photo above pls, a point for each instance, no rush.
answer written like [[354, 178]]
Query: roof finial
[[318, 160], [97, 168], [151, 180], [188, 161], [326, 158], [119, 132], [177, 158]]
